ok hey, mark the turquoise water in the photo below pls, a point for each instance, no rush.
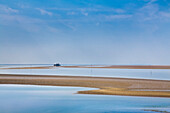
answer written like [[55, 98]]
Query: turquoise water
[[160, 74], [51, 99]]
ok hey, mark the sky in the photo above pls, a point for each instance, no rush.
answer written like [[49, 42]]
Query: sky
[[117, 32]]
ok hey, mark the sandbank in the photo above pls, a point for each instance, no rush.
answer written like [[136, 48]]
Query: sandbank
[[106, 86]]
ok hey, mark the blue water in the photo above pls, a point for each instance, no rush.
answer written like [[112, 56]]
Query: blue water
[[160, 74], [51, 99]]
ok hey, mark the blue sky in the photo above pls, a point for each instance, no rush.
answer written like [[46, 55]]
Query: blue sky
[[85, 31]]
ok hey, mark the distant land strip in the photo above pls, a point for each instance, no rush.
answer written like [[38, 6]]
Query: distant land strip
[[98, 66]]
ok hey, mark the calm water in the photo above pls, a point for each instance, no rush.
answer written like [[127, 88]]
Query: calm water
[[51, 99], [162, 74]]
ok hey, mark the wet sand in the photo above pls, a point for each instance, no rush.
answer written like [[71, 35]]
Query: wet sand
[[100, 66], [107, 86]]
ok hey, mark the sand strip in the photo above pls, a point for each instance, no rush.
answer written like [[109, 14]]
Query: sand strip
[[107, 86]]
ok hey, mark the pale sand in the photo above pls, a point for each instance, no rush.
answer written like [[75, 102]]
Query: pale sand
[[100, 66], [107, 86]]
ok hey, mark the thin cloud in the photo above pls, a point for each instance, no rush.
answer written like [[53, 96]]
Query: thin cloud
[[88, 9], [165, 14], [112, 17], [152, 1], [71, 13], [6, 9], [27, 23], [44, 12], [85, 13], [151, 11], [148, 12]]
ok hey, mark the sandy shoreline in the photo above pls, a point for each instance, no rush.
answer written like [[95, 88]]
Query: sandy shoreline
[[107, 86], [99, 66]]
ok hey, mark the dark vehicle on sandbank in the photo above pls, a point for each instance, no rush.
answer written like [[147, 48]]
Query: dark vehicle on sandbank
[[57, 64]]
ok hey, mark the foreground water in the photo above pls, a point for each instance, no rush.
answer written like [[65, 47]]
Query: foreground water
[[160, 74], [52, 99]]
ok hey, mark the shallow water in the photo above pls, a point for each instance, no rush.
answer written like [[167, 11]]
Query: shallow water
[[160, 74], [52, 99]]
